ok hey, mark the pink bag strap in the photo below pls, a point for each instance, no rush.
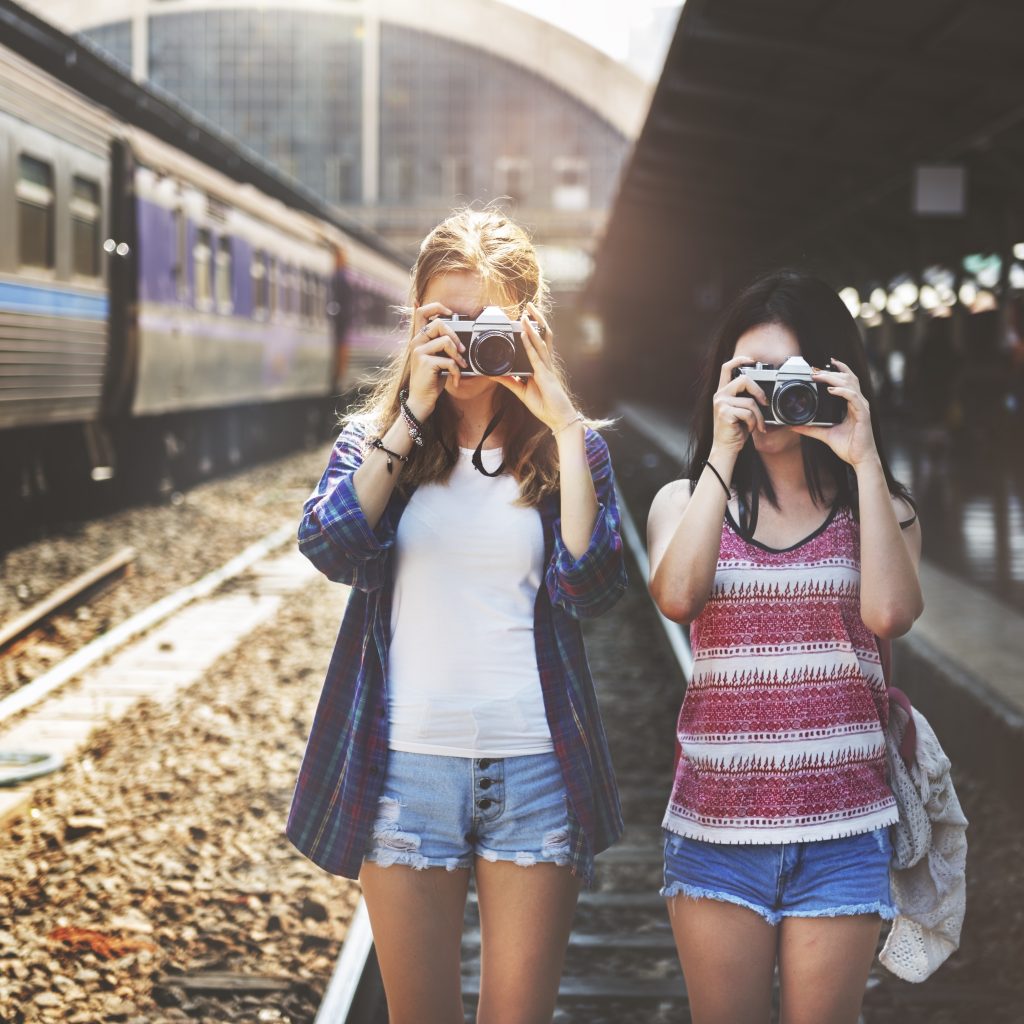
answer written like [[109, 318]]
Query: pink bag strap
[[908, 745]]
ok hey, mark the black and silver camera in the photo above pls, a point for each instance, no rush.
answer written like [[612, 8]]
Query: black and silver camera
[[793, 397], [494, 345]]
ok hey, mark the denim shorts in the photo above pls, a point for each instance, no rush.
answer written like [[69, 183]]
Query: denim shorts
[[824, 878], [441, 811]]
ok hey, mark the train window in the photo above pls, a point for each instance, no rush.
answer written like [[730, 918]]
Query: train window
[[181, 245], [260, 284], [306, 295], [201, 261], [85, 227], [272, 291], [222, 276], [35, 212], [288, 304]]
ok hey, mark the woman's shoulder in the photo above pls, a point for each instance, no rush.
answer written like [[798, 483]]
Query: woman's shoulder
[[673, 497]]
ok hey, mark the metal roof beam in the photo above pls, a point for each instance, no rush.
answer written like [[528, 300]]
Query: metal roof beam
[[858, 58]]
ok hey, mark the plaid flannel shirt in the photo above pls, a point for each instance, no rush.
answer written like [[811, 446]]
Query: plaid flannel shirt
[[334, 805]]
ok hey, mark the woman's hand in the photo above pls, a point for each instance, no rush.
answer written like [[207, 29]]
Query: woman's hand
[[435, 349], [852, 439], [542, 393], [735, 415]]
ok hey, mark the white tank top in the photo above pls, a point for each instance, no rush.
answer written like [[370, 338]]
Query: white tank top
[[462, 667]]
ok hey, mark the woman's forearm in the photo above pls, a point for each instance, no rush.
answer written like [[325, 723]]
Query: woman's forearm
[[890, 591], [373, 483], [578, 497]]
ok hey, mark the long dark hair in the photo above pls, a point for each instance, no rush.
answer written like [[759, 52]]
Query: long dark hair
[[823, 328]]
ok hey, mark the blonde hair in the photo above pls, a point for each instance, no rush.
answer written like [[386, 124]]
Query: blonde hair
[[488, 243]]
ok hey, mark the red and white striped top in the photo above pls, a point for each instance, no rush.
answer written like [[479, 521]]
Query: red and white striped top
[[782, 727]]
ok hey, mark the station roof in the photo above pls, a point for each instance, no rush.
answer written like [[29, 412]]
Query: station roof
[[789, 132], [88, 70]]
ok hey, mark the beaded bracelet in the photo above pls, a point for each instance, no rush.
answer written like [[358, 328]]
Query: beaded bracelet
[[413, 425], [725, 486], [376, 442]]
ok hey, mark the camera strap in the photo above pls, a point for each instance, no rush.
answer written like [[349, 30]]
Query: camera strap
[[478, 460]]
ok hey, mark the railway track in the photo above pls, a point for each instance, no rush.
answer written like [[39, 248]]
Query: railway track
[[40, 729], [21, 629]]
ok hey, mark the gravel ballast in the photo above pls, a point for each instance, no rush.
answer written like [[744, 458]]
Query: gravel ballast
[[152, 880]]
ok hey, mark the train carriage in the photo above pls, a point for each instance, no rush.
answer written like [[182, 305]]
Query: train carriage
[[158, 316]]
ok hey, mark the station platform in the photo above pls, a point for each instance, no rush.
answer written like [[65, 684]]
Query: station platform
[[962, 662]]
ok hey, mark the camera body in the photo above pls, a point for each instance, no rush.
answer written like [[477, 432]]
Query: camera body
[[794, 398], [494, 345]]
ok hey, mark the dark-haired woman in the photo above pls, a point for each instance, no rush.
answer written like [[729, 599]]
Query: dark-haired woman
[[790, 551]]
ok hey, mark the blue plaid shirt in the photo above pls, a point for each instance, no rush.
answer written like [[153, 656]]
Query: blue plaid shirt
[[334, 805]]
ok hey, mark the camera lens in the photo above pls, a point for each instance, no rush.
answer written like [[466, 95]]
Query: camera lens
[[493, 353], [795, 402]]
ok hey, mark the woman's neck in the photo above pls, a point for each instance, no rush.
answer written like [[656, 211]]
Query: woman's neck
[[788, 477], [471, 418]]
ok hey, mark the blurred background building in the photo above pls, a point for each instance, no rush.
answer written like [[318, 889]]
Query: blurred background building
[[397, 111]]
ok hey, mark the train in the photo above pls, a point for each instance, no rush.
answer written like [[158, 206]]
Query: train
[[160, 319]]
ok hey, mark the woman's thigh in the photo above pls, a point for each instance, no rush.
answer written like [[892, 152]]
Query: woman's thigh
[[525, 919], [416, 916], [823, 967], [727, 953]]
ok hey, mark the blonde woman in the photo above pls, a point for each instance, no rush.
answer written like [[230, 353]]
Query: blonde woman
[[474, 517]]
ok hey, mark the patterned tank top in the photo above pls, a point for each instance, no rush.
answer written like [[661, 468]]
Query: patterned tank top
[[782, 728]]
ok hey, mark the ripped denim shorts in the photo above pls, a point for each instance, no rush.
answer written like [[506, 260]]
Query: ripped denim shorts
[[824, 878], [442, 811]]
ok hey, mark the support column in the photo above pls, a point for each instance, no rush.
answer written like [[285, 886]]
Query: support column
[[371, 107], [140, 40]]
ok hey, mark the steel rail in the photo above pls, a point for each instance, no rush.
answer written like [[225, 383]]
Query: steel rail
[[66, 595]]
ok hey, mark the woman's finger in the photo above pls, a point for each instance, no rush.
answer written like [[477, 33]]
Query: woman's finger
[[729, 366], [514, 384], [744, 383], [536, 361], [755, 408], [854, 398], [750, 405], [842, 366], [738, 414], [836, 377], [535, 340], [806, 430], [442, 343], [424, 313], [440, 364], [536, 314]]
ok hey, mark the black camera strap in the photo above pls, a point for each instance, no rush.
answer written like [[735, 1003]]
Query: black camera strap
[[478, 460]]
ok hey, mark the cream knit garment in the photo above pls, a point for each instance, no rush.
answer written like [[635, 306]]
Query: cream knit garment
[[929, 855]]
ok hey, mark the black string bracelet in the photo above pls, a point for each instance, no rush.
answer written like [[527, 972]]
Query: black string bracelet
[[725, 486], [376, 442]]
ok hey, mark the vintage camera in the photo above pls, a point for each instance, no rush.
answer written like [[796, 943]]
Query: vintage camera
[[793, 397], [493, 343]]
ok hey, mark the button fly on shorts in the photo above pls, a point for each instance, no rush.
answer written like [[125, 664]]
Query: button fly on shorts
[[488, 789]]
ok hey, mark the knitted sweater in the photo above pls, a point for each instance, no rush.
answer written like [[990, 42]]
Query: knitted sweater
[[782, 728]]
